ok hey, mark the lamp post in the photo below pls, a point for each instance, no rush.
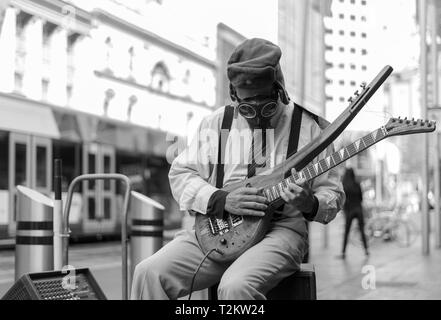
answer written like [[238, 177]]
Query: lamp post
[[425, 164]]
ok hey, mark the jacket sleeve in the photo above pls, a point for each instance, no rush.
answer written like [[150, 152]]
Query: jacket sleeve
[[329, 192], [190, 171]]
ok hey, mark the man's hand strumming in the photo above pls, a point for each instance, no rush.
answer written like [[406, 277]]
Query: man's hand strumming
[[246, 202]]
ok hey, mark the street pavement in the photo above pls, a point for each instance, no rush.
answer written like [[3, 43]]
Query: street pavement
[[390, 272]]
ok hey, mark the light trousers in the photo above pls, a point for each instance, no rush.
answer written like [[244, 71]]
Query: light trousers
[[168, 273]]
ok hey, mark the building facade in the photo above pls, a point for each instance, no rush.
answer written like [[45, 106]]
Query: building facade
[[94, 85], [301, 39], [346, 52]]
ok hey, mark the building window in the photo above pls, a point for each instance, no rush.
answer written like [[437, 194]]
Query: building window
[[341, 32], [341, 65], [352, 34], [352, 17], [363, 52], [18, 82], [341, 16], [341, 82], [44, 88], [352, 66], [329, 48], [187, 75], [329, 31], [69, 91], [341, 99], [363, 35], [328, 81], [363, 18], [352, 50], [341, 49], [363, 2], [329, 65], [329, 98], [353, 83], [352, 1], [363, 68], [131, 58], [160, 77]]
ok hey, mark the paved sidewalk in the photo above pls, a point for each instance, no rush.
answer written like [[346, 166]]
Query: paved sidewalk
[[401, 273]]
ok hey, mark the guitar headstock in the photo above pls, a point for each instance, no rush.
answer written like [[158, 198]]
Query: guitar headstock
[[399, 126]]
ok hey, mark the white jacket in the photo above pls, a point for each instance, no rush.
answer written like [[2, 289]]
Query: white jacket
[[193, 173]]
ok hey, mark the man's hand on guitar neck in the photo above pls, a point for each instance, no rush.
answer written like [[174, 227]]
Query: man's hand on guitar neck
[[301, 196], [246, 202]]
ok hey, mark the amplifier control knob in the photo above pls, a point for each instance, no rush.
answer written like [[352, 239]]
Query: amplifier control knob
[[223, 241]]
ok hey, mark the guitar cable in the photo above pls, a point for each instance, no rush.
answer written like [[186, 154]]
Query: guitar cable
[[199, 266]]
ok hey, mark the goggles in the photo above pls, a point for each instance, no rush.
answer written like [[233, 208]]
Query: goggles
[[258, 106]]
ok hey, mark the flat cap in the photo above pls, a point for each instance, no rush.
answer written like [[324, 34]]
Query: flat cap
[[254, 64]]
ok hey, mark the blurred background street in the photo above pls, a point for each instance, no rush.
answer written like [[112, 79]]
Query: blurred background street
[[401, 273]]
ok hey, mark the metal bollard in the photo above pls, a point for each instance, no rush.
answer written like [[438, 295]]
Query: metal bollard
[[34, 242], [147, 228]]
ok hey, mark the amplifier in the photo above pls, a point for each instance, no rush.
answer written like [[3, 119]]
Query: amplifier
[[73, 284]]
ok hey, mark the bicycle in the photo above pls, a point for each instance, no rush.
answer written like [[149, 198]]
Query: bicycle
[[387, 225]]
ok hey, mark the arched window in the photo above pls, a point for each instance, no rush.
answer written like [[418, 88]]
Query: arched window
[[160, 77]]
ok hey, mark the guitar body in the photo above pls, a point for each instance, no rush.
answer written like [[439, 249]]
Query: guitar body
[[233, 240]]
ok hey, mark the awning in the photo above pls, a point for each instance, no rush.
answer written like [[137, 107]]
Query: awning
[[21, 115], [68, 126]]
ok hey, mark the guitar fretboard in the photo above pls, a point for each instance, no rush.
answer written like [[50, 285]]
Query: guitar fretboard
[[313, 170]]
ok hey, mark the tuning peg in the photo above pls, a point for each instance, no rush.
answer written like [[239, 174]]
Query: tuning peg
[[356, 93], [393, 120], [363, 85], [350, 100]]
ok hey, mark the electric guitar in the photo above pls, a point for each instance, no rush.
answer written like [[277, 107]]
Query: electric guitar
[[226, 239]]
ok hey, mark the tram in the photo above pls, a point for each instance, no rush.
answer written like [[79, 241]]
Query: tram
[[33, 134]]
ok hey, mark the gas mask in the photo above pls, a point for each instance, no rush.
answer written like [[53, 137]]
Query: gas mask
[[258, 110]]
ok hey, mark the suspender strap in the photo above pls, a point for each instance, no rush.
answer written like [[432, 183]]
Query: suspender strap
[[294, 135], [223, 137]]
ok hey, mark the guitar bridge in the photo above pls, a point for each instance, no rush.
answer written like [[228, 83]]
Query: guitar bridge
[[222, 226]]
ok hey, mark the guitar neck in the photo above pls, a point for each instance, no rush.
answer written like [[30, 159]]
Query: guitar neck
[[314, 170]]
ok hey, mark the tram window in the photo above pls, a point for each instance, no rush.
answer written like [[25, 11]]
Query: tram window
[[4, 161], [20, 164], [41, 167], [91, 161], [91, 208], [106, 170], [107, 208], [70, 154]]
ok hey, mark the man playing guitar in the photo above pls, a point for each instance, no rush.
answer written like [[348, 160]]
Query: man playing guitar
[[263, 127]]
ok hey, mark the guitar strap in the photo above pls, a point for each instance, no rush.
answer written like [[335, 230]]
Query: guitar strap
[[294, 135], [223, 137], [227, 121]]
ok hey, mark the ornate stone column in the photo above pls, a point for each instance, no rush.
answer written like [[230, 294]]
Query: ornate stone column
[[57, 93], [32, 86], [8, 43]]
